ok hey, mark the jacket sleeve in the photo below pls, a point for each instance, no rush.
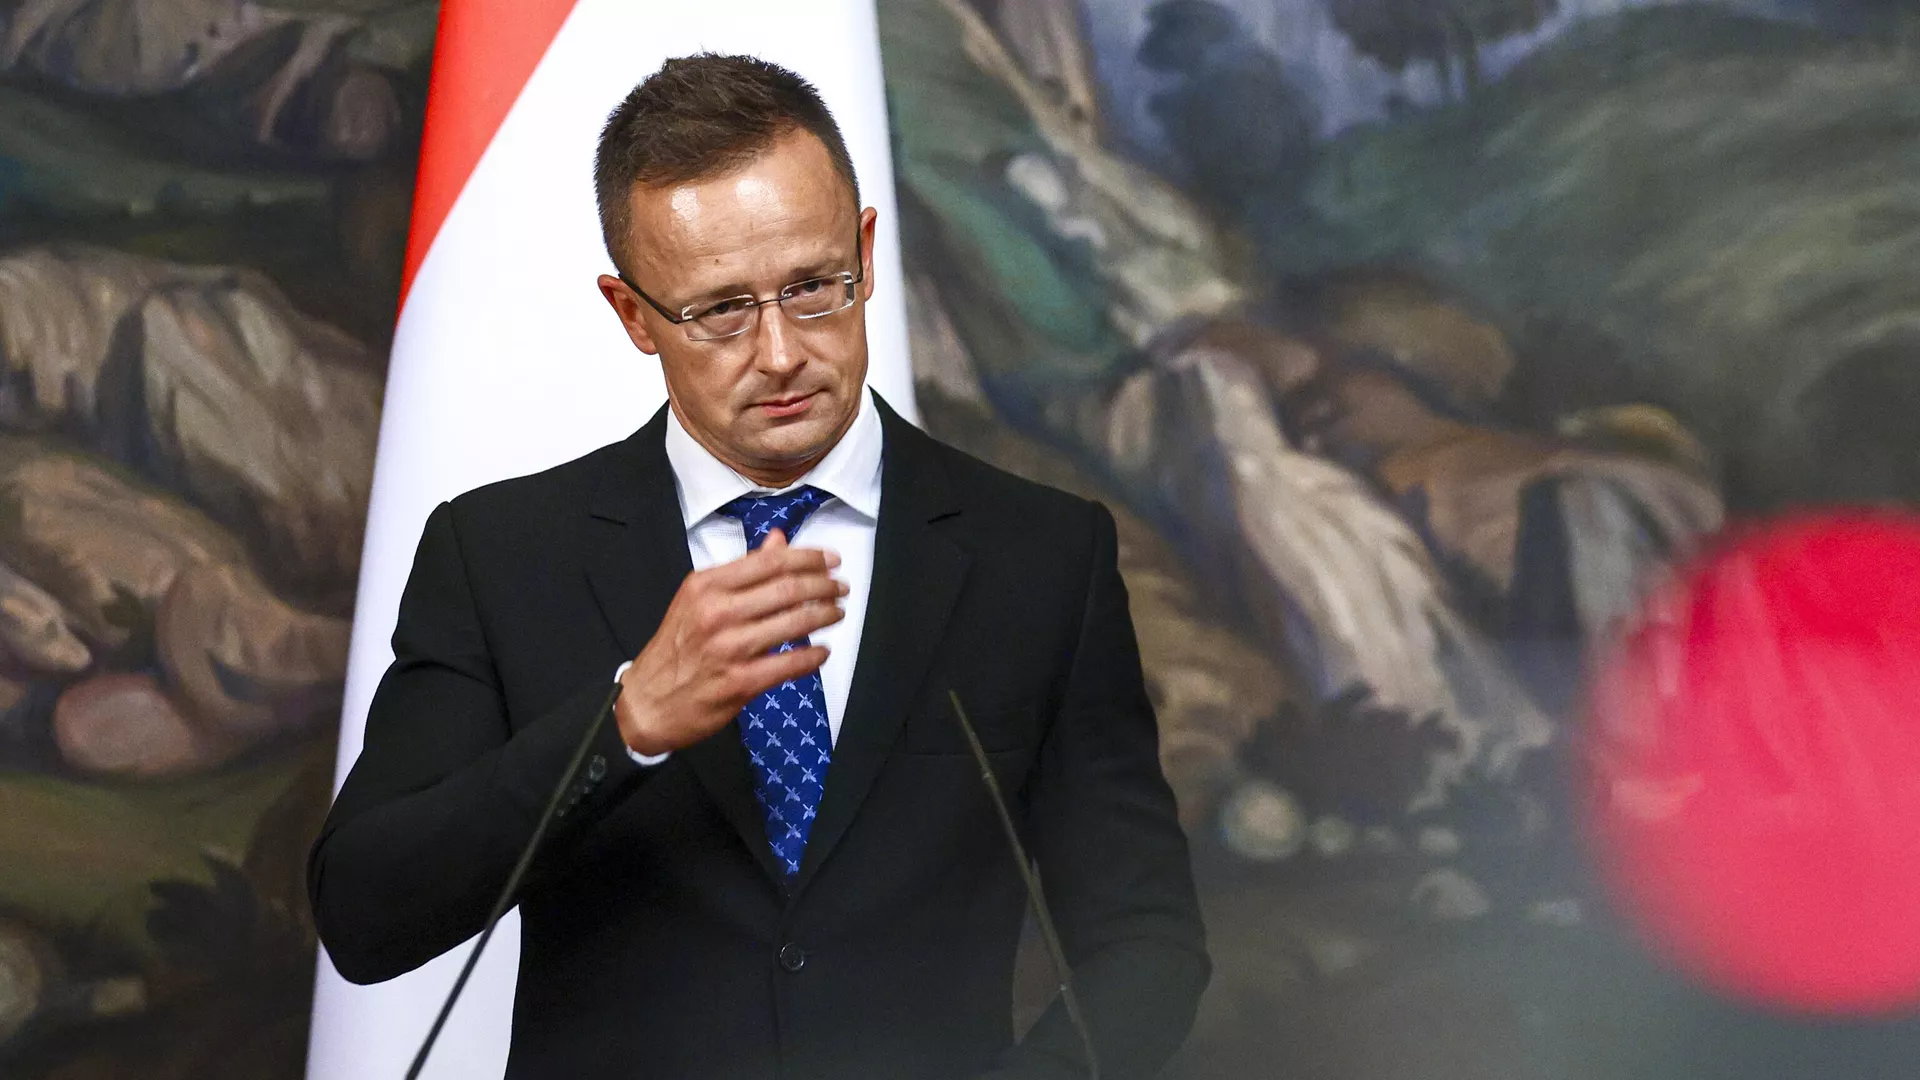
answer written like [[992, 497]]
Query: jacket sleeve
[[1113, 860], [426, 829]]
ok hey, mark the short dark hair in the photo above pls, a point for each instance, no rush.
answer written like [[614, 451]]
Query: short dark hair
[[700, 116]]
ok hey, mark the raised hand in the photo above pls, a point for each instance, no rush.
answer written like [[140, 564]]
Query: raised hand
[[713, 652]]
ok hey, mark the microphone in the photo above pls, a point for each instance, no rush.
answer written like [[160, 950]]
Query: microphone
[[1058, 955], [507, 892]]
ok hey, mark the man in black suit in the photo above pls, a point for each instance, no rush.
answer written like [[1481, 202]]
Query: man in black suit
[[780, 859]]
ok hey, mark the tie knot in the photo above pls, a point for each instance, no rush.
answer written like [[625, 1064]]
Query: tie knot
[[761, 514]]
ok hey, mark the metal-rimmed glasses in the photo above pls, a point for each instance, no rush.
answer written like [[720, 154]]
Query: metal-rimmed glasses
[[813, 298]]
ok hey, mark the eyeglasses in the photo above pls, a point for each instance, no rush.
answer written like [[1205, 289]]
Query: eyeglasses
[[809, 299]]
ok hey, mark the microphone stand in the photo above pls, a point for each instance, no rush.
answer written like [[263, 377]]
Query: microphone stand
[[1055, 952], [512, 887]]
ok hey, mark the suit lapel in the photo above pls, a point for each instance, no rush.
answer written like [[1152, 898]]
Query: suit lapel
[[917, 574], [636, 559]]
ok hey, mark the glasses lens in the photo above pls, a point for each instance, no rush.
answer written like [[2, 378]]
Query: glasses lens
[[724, 319], [820, 296]]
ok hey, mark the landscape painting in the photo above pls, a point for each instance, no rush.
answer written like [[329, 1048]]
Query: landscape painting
[[1413, 342], [203, 205]]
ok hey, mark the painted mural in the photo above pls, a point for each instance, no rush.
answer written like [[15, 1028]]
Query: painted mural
[[1412, 341], [202, 209]]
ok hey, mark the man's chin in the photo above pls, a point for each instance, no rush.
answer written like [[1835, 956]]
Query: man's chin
[[790, 445]]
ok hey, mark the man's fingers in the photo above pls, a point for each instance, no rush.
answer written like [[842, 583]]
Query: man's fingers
[[764, 635], [770, 561], [791, 624], [780, 593], [764, 672]]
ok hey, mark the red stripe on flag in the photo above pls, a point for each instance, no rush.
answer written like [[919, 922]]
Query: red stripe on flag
[[483, 55]]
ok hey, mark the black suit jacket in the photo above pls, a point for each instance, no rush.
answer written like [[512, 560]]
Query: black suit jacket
[[658, 937]]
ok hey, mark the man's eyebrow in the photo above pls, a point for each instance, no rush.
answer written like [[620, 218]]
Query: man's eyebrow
[[826, 264], [718, 292]]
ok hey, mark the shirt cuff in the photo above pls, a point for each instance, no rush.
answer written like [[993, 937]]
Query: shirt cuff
[[639, 758]]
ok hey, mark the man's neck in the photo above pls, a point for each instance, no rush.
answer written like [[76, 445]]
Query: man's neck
[[774, 481]]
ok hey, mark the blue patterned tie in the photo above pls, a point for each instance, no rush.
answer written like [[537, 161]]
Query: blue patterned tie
[[785, 729]]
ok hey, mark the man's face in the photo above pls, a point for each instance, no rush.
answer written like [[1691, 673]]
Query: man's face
[[772, 401]]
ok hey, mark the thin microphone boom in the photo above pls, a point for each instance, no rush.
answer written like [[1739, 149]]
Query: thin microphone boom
[[1061, 969], [512, 886], [1042, 915]]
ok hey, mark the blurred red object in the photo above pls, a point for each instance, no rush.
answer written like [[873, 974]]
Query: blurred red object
[[1751, 765]]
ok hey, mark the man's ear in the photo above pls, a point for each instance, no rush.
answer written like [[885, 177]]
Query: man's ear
[[632, 312], [867, 219]]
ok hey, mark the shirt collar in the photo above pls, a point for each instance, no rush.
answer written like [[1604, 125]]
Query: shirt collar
[[850, 472]]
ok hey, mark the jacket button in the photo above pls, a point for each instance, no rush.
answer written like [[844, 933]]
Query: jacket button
[[792, 957], [597, 768]]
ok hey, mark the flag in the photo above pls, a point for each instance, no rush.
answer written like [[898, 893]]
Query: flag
[[506, 360]]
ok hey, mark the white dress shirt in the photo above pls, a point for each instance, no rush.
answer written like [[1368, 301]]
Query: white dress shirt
[[844, 524]]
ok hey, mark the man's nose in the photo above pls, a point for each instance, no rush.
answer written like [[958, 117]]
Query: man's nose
[[775, 352]]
